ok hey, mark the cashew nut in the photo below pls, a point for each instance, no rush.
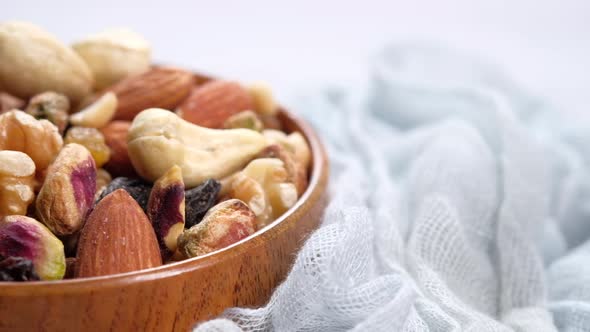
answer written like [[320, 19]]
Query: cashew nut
[[97, 114], [159, 139]]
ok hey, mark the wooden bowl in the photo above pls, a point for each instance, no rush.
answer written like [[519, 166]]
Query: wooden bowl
[[176, 296]]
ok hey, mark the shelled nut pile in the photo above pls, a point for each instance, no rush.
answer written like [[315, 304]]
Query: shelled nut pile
[[109, 164]]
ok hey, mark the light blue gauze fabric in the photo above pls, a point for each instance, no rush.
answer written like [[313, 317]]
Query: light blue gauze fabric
[[460, 202]]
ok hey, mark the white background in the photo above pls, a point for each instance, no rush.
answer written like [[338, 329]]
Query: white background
[[545, 45]]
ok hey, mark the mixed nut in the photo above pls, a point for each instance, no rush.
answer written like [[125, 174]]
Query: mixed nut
[[109, 164]]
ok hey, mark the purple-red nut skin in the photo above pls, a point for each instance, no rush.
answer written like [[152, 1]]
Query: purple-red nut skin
[[68, 191], [25, 237], [166, 210]]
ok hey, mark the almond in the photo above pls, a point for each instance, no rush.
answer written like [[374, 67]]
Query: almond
[[210, 104], [115, 135], [117, 238], [162, 87]]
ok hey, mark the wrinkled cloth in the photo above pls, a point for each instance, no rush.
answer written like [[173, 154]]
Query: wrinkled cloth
[[459, 202]]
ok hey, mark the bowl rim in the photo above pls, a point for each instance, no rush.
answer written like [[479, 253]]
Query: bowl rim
[[318, 173]]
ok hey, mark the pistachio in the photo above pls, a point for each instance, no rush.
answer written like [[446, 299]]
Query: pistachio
[[166, 210], [27, 238], [17, 269], [34, 61], [68, 191], [225, 223], [113, 55], [17, 180], [50, 106], [97, 114], [159, 139]]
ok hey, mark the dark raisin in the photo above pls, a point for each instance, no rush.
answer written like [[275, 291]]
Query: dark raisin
[[17, 269], [199, 200], [137, 188]]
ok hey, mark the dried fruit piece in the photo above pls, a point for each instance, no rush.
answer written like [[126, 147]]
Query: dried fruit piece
[[17, 182], [210, 104], [68, 191], [51, 106], [244, 119], [34, 61], [27, 238], [117, 238], [263, 100], [166, 210], [39, 139], [226, 223], [97, 114], [9, 102], [199, 200], [138, 189], [17, 269], [163, 87], [93, 140], [113, 55], [159, 139], [115, 135], [296, 172]]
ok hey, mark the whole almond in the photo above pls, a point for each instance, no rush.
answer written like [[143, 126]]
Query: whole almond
[[162, 87], [210, 104], [117, 238], [115, 135]]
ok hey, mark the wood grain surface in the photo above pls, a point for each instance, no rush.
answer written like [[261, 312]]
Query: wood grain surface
[[175, 297]]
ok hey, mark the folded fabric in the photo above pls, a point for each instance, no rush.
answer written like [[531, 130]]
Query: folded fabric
[[459, 203]]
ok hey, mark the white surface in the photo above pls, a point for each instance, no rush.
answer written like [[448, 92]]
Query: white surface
[[456, 205], [544, 44]]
